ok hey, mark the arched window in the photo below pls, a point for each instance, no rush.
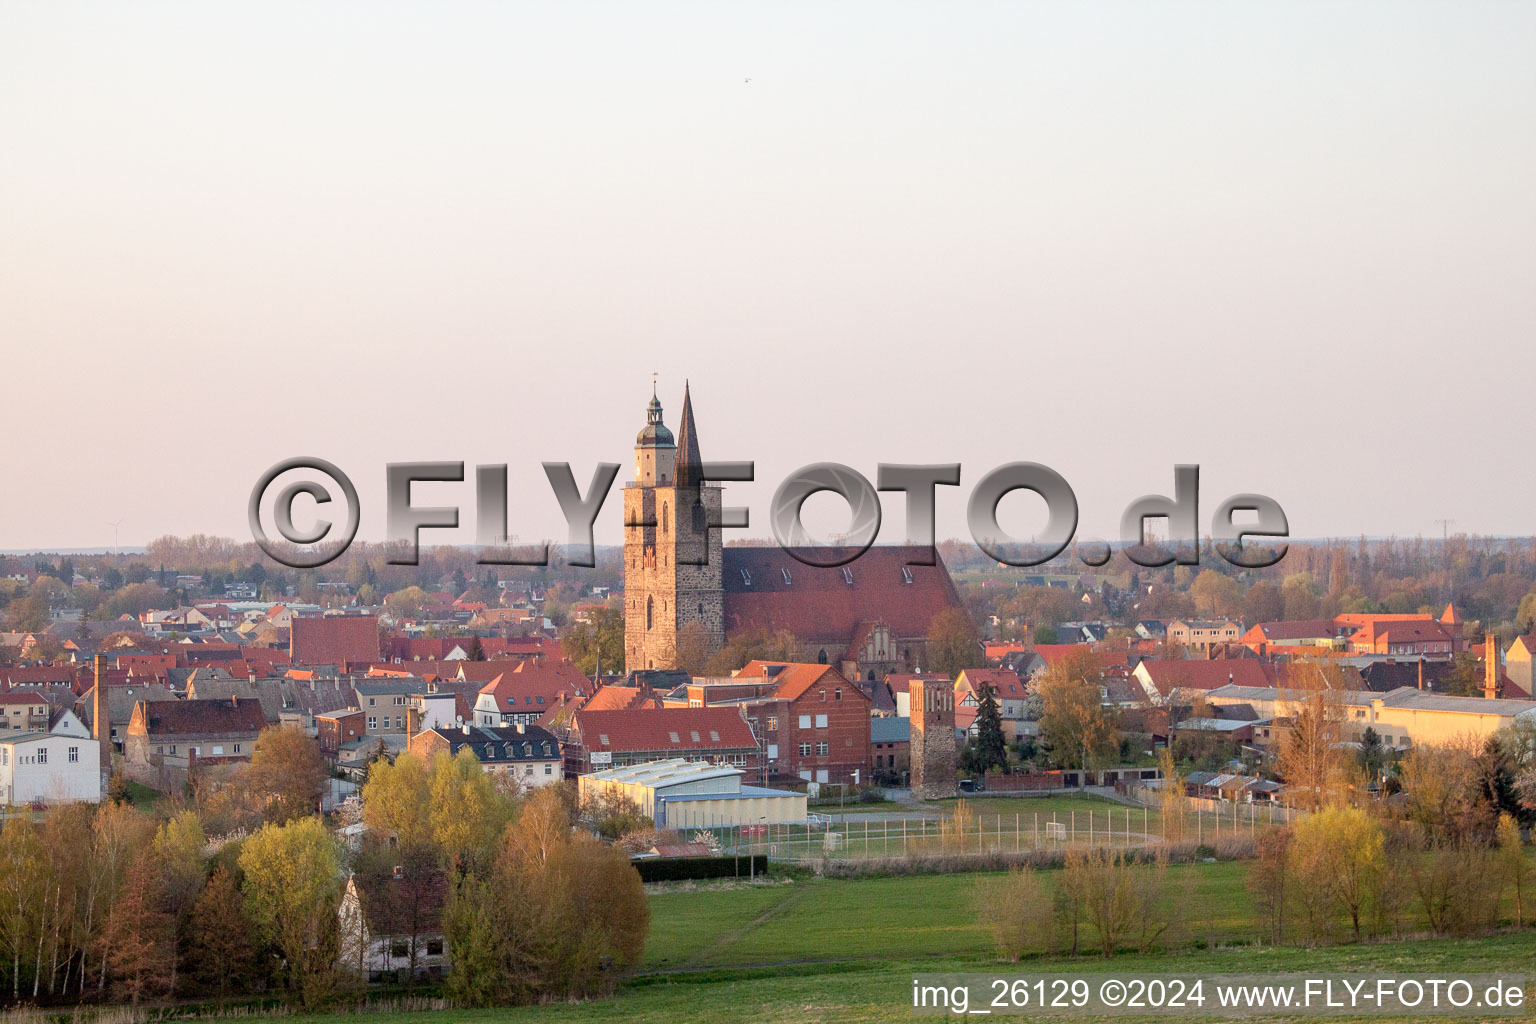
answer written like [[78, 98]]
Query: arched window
[[665, 518], [821, 658], [701, 611], [649, 611], [871, 676]]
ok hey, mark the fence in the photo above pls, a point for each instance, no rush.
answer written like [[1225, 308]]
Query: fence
[[1267, 811], [1112, 826]]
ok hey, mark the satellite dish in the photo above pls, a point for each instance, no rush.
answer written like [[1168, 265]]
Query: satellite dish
[[458, 719]]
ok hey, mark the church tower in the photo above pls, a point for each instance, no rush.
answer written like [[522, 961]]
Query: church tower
[[672, 560]]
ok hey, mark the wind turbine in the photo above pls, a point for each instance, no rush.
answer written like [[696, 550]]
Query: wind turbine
[[114, 536]]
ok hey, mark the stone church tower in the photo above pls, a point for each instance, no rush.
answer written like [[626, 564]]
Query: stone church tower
[[672, 560]]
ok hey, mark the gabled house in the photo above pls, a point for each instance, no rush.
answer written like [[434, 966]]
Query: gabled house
[[391, 925], [166, 739], [529, 754]]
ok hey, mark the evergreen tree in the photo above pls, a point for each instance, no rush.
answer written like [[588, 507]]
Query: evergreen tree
[[992, 748]]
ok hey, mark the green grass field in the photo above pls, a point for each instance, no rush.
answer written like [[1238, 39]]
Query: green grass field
[[880, 990], [847, 950]]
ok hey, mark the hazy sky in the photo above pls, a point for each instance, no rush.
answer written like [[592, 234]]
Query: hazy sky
[[1294, 243]]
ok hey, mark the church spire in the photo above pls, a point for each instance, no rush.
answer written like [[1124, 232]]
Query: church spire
[[690, 465]]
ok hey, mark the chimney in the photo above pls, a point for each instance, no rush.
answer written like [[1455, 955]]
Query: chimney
[[101, 722], [521, 728], [1490, 666], [412, 720]]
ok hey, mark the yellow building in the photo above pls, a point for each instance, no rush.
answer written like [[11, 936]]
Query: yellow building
[[1403, 717]]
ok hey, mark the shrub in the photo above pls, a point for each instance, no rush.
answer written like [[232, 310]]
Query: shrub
[[673, 869]]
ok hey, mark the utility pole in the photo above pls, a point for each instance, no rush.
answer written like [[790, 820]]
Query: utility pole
[[1445, 554]]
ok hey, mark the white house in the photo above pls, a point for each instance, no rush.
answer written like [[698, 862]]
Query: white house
[[49, 767], [392, 925]]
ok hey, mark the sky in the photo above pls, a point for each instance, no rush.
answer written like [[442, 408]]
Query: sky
[[1291, 243]]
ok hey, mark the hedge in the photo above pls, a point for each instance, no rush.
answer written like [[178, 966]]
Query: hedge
[[672, 869]]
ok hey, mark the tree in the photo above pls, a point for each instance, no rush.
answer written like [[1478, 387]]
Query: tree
[[1340, 851], [1511, 856], [178, 848], [953, 643], [1122, 899], [602, 635], [1309, 758], [1217, 595], [1173, 802], [139, 943], [1267, 878], [1373, 754], [291, 893], [1525, 615], [1075, 727], [1443, 792], [1450, 880], [397, 800], [287, 774], [564, 906], [1014, 905], [992, 748], [467, 811], [693, 648], [405, 605], [754, 645], [220, 933], [1263, 603]]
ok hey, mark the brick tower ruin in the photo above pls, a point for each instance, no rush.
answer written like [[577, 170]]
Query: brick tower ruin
[[933, 752]]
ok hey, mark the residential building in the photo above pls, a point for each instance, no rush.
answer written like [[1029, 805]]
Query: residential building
[[166, 739], [814, 724], [391, 925], [527, 753], [619, 738], [1198, 634], [41, 767]]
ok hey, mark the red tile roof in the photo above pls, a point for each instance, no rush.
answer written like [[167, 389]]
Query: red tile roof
[[522, 687], [793, 679], [617, 698], [399, 907], [240, 715], [652, 729], [1004, 684], [335, 640], [767, 588], [1168, 676], [1290, 629]]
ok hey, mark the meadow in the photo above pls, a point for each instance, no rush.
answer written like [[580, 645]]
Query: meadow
[[817, 949]]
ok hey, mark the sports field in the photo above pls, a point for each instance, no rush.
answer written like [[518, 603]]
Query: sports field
[[1010, 824]]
